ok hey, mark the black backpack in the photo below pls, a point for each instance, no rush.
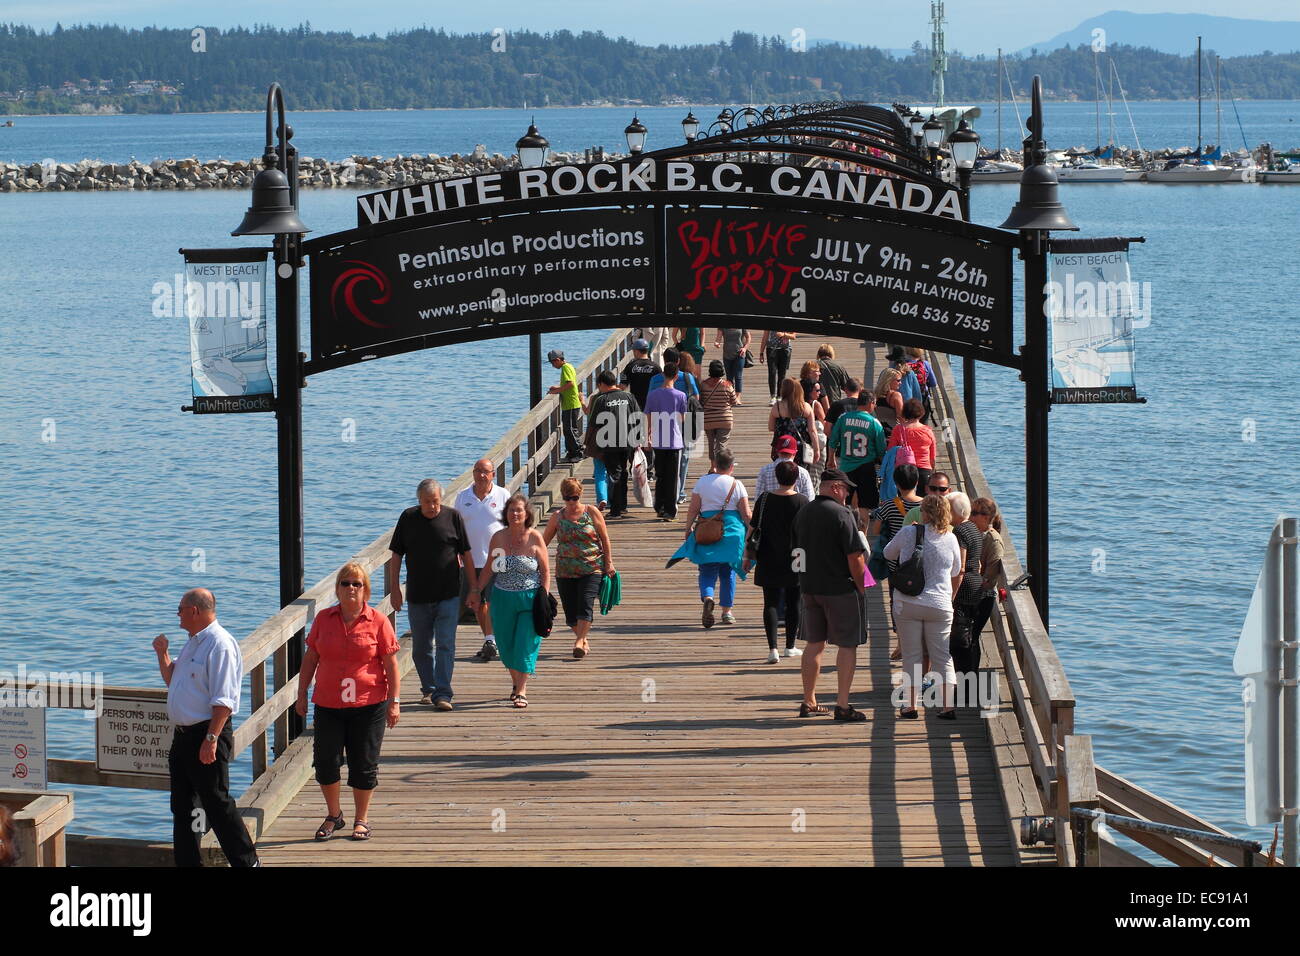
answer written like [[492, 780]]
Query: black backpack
[[909, 578]]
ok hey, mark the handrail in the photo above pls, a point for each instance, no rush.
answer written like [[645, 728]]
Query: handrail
[[1099, 818], [1041, 695]]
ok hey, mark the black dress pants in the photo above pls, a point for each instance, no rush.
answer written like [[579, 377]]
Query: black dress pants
[[201, 799], [666, 464]]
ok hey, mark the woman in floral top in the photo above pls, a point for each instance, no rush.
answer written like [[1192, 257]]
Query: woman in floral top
[[582, 558]]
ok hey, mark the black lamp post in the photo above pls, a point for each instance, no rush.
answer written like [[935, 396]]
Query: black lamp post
[[1037, 213], [914, 123], [932, 130], [274, 212], [532, 147], [724, 119], [690, 127], [964, 143], [635, 134]]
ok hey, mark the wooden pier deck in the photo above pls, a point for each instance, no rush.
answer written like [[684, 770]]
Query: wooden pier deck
[[670, 744]]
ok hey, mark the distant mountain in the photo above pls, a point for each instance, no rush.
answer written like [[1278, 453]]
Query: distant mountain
[[1177, 33]]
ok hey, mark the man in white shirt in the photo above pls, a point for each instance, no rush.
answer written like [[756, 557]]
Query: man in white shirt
[[480, 506], [202, 696], [786, 448]]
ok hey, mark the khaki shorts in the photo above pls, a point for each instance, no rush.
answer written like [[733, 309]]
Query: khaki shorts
[[832, 617]]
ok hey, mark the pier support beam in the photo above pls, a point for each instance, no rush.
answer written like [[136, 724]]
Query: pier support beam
[[534, 369]]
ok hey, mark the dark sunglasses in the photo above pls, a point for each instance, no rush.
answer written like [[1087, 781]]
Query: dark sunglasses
[[938, 488], [573, 497], [352, 584]]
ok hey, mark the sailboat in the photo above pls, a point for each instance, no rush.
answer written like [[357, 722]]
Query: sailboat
[[1198, 167], [998, 167], [1082, 170]]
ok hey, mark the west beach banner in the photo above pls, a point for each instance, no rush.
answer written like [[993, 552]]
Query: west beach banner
[[1094, 306], [225, 303]]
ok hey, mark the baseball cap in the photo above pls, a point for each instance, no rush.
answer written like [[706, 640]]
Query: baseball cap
[[834, 474], [641, 345], [787, 445], [554, 354]]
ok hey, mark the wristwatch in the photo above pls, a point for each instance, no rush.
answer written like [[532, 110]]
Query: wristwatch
[[211, 738]]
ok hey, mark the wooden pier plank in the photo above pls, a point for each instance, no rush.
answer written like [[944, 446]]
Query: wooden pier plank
[[669, 744]]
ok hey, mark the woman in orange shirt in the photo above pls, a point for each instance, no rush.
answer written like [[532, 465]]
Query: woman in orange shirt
[[352, 653], [918, 437]]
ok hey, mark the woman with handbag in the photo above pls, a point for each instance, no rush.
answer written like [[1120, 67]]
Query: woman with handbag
[[923, 587], [792, 415], [716, 541], [582, 558], [517, 568], [769, 546], [919, 438], [735, 356]]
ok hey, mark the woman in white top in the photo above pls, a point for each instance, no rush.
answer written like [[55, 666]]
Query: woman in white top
[[925, 621], [719, 493]]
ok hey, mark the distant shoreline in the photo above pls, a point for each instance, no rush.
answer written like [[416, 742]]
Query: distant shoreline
[[530, 109]]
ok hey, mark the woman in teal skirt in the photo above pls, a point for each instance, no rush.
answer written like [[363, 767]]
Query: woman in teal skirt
[[517, 567]]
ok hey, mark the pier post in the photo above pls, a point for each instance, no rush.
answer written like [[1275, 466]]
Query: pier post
[[534, 369]]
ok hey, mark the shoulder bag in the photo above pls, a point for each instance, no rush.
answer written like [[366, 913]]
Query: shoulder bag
[[755, 540], [909, 579], [709, 530]]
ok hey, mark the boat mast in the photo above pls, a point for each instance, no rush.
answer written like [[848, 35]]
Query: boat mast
[[1218, 104], [999, 100], [1096, 94], [1198, 96]]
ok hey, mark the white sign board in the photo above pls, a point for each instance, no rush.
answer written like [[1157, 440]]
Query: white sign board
[[22, 748], [133, 736]]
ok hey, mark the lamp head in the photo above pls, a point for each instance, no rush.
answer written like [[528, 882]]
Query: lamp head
[[690, 127], [532, 147], [635, 134], [965, 145], [932, 130], [272, 212]]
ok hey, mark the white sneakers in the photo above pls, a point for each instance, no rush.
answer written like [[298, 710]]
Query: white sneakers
[[772, 402], [728, 617], [792, 652], [773, 656]]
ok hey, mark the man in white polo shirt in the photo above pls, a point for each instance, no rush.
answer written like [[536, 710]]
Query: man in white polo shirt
[[202, 696], [480, 506]]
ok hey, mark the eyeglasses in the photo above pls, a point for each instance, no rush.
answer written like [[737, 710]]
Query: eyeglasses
[[938, 489], [573, 497], [352, 584]]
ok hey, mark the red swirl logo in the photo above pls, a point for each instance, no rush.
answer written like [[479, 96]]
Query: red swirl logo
[[346, 287]]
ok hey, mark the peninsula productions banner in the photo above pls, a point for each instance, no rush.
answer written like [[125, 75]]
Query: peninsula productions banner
[[1094, 306], [225, 303]]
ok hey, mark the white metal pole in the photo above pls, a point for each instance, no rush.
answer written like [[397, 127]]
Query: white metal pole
[[1290, 744]]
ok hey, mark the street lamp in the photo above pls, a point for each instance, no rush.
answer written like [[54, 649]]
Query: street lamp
[[690, 127], [724, 119], [964, 143], [932, 130], [1037, 213], [635, 134], [274, 212], [532, 147], [914, 122]]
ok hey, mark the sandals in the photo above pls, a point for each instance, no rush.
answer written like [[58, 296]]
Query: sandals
[[361, 830], [520, 701], [908, 714], [849, 713], [815, 710], [331, 824], [580, 650]]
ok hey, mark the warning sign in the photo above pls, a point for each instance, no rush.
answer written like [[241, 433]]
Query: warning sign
[[22, 748], [133, 736]]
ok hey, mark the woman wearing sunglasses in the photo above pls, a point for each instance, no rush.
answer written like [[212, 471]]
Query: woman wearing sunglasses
[[352, 654], [582, 557]]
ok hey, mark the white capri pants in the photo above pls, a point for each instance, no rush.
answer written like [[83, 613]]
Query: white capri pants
[[921, 627]]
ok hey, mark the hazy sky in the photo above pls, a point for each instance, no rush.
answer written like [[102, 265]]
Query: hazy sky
[[974, 26]]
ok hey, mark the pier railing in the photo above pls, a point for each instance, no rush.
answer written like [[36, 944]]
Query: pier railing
[[1071, 786]]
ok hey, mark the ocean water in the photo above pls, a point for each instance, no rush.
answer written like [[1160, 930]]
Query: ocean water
[[1159, 513]]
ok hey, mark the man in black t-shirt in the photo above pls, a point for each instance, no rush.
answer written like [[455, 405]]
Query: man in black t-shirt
[[638, 372], [432, 539], [614, 430], [849, 403], [828, 554], [636, 378]]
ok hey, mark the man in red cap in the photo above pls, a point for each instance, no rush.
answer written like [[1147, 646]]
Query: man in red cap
[[786, 448]]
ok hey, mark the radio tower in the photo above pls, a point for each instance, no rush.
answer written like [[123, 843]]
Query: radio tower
[[939, 62]]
